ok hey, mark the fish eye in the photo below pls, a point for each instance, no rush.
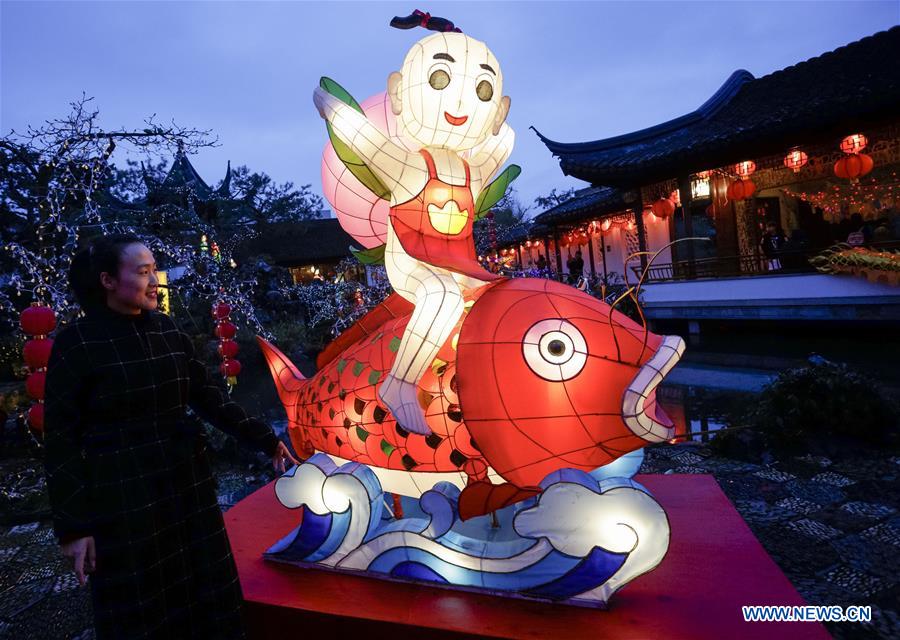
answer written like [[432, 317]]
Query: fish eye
[[484, 91], [555, 349], [439, 79]]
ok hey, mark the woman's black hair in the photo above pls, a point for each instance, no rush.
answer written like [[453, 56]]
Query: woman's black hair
[[103, 254]]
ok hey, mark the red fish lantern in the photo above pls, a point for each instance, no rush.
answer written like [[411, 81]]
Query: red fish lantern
[[795, 160], [228, 348], [528, 338], [37, 321], [663, 208]]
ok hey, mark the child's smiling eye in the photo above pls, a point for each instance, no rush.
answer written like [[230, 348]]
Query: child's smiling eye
[[439, 79]]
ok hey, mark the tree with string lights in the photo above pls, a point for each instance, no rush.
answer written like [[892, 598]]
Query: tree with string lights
[[54, 187]]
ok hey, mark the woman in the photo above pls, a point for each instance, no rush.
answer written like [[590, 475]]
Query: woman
[[134, 502]]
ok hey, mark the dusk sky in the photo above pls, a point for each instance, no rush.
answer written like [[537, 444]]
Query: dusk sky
[[246, 70]]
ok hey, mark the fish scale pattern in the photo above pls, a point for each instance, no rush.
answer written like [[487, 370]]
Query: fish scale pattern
[[342, 414]]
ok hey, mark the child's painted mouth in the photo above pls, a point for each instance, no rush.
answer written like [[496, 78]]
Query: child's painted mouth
[[455, 121]]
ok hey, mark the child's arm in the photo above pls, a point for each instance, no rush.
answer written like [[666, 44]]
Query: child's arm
[[489, 157], [390, 162]]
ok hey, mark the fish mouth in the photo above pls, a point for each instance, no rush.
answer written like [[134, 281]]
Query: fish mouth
[[455, 120], [640, 411]]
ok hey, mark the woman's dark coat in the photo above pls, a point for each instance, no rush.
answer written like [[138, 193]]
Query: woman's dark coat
[[127, 465]]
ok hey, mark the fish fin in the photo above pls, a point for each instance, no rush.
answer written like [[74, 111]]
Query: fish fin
[[393, 306], [482, 497]]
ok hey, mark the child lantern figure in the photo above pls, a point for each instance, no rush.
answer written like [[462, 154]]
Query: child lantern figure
[[449, 104]]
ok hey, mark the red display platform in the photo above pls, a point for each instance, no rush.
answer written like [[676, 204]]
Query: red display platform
[[714, 566]]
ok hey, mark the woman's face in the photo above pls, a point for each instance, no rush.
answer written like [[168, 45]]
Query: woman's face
[[134, 288]]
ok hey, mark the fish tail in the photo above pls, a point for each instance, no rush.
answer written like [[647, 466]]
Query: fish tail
[[288, 382]]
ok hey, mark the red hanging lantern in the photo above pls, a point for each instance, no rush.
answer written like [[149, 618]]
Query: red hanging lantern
[[740, 189], [36, 353], [663, 208], [795, 160], [228, 349], [230, 368], [225, 330], [854, 166], [35, 384], [35, 417], [745, 169], [854, 143], [38, 320], [221, 311]]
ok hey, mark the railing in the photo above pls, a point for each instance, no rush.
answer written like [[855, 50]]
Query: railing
[[739, 265]]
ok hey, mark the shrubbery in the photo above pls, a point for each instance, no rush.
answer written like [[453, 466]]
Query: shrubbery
[[825, 408]]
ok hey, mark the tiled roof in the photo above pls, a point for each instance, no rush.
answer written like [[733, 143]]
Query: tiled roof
[[299, 243], [591, 201], [827, 96]]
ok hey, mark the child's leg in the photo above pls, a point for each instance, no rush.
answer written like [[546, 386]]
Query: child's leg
[[439, 305]]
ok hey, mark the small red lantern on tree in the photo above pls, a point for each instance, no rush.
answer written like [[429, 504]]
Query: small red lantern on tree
[[855, 164], [37, 321], [228, 348]]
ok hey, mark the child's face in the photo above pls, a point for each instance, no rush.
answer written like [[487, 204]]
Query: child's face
[[450, 91]]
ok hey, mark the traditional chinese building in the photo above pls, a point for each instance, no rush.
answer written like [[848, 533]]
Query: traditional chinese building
[[311, 249], [813, 148]]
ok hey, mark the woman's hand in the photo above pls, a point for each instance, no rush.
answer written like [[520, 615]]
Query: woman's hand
[[278, 459], [83, 555]]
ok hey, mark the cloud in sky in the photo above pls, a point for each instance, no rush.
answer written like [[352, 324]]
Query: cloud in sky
[[246, 70]]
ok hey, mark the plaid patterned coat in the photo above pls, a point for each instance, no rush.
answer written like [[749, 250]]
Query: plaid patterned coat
[[126, 464]]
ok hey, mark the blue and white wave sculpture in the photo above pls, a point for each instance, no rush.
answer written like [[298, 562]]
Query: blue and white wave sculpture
[[579, 541]]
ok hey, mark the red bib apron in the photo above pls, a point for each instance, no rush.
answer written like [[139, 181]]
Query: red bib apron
[[435, 227]]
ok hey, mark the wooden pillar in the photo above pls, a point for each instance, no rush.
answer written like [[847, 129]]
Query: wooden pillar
[[559, 269], [603, 253], [635, 200], [684, 188], [591, 254]]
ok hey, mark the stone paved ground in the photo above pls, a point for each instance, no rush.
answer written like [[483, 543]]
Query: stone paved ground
[[833, 528]]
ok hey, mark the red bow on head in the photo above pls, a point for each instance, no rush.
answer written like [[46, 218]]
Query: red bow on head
[[423, 16]]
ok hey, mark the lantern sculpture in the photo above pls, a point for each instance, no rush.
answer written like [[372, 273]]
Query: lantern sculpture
[[795, 160], [854, 164], [505, 421], [228, 348], [544, 447], [37, 321], [742, 188]]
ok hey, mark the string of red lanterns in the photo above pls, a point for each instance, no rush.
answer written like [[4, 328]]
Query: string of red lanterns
[[228, 348], [37, 321]]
